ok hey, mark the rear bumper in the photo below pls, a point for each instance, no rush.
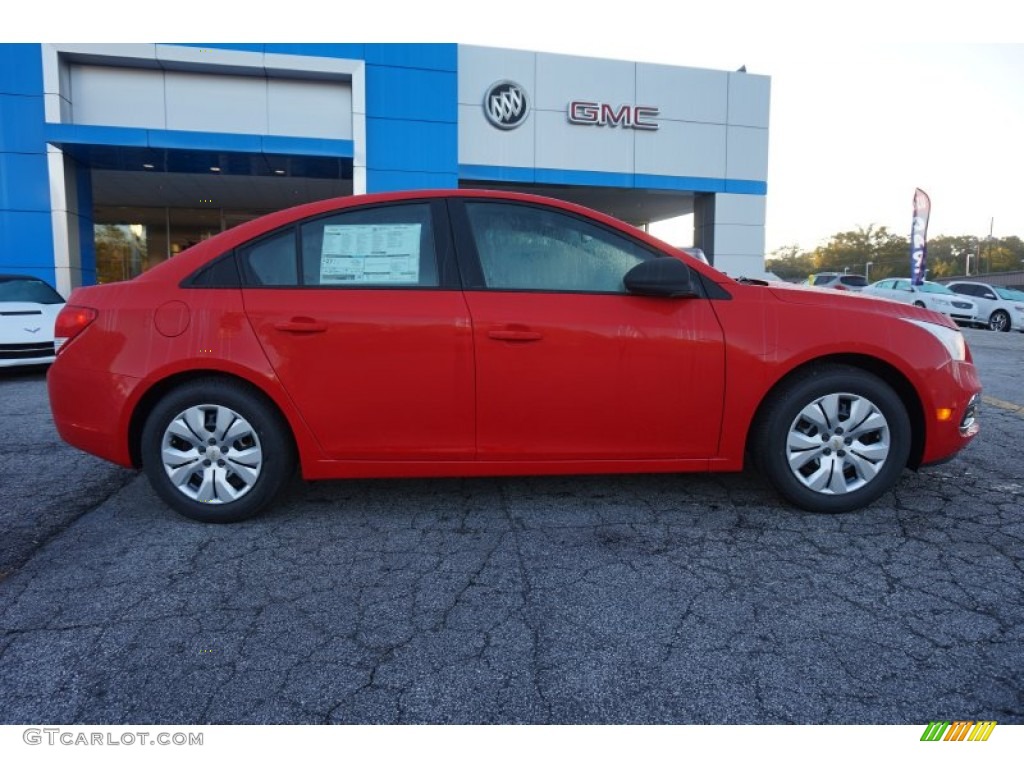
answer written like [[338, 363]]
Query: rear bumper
[[90, 410]]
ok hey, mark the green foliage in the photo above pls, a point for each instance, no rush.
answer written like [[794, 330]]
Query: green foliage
[[889, 255]]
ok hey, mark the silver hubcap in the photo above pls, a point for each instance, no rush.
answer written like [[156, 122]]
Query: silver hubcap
[[211, 454], [999, 321], [838, 443]]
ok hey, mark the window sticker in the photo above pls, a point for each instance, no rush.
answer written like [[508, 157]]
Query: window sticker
[[354, 254]]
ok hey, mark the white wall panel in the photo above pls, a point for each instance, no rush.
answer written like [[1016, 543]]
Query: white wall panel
[[683, 93], [480, 143], [218, 103], [480, 68], [561, 79], [749, 97], [561, 144], [306, 108], [740, 209], [114, 96], [740, 265], [682, 149], [736, 239], [747, 153]]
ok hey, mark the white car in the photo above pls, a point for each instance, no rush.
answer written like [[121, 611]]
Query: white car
[[28, 309], [933, 296], [999, 308]]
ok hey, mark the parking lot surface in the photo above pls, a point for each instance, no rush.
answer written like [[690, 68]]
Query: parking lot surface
[[645, 599]]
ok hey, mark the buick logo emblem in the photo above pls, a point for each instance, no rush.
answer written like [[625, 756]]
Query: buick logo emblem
[[505, 105]]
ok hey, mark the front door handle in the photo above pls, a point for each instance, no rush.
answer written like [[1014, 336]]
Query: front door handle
[[510, 335], [302, 325]]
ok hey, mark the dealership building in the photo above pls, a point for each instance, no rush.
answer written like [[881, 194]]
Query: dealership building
[[114, 157]]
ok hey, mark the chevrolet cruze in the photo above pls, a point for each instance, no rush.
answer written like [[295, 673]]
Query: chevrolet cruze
[[476, 333]]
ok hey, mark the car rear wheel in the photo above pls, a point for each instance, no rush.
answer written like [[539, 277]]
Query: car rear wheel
[[999, 321], [216, 452], [919, 304], [833, 439]]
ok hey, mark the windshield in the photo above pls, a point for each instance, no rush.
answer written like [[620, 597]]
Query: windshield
[[28, 289], [1009, 294]]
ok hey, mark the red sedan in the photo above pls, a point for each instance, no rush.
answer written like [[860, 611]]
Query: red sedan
[[459, 333]]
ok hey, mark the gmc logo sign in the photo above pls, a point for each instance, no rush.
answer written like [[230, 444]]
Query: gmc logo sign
[[627, 116]]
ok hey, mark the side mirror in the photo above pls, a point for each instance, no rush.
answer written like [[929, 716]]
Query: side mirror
[[664, 276]]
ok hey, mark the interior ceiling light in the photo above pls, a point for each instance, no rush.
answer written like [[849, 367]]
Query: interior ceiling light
[[215, 168], [148, 166]]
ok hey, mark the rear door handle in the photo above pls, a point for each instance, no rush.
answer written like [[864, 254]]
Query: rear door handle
[[508, 335], [302, 325]]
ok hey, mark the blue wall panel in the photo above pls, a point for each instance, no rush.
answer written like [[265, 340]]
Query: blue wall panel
[[86, 236], [21, 68], [396, 181], [24, 182], [412, 94], [329, 50], [26, 243], [442, 56], [408, 145], [21, 123], [26, 231]]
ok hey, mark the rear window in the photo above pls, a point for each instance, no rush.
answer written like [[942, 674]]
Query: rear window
[[28, 289], [858, 281]]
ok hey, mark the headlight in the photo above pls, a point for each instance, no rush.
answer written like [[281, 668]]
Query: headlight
[[942, 302], [952, 340]]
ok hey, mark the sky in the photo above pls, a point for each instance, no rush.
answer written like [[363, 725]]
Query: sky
[[869, 100]]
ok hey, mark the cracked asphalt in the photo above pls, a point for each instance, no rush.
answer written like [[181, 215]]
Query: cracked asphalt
[[646, 599]]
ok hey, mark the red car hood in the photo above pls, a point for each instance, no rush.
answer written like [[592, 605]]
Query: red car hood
[[825, 297]]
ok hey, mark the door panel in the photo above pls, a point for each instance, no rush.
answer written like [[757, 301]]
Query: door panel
[[568, 364], [601, 376], [367, 330], [375, 374]]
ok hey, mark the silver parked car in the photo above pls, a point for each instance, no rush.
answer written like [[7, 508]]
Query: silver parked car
[[1001, 309], [838, 280], [933, 296]]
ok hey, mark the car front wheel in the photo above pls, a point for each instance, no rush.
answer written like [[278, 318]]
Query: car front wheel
[[216, 452], [999, 321], [833, 439]]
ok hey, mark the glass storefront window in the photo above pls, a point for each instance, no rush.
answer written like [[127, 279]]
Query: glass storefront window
[[128, 241]]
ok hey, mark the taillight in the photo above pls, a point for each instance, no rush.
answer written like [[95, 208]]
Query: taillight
[[71, 321]]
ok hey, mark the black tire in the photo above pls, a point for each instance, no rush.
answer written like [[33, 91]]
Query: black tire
[[999, 321], [856, 463], [920, 304], [237, 476]]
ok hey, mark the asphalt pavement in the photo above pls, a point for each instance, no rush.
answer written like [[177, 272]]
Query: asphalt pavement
[[644, 599]]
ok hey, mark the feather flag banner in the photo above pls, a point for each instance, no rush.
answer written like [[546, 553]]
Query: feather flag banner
[[919, 237]]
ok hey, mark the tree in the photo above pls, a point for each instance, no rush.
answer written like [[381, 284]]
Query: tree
[[889, 255]]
